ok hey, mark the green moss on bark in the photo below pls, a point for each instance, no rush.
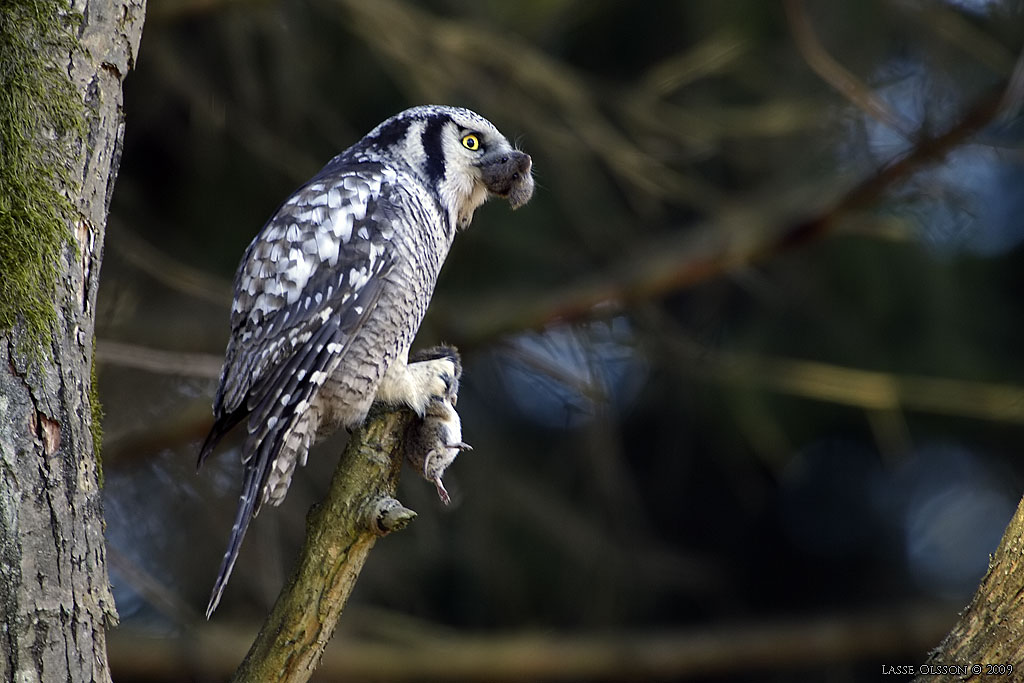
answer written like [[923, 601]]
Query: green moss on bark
[[97, 415], [39, 110]]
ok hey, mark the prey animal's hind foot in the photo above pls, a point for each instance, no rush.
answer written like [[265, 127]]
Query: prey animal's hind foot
[[434, 441], [437, 460]]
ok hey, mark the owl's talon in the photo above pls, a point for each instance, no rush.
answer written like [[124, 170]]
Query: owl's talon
[[427, 379], [447, 357]]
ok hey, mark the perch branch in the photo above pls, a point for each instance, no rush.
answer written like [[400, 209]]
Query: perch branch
[[340, 532]]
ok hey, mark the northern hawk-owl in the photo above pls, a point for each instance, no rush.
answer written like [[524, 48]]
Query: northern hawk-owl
[[331, 292]]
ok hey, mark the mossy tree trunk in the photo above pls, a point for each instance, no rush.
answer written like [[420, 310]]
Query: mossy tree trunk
[[61, 69]]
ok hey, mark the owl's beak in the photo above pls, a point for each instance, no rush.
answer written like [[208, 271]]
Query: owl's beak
[[508, 174]]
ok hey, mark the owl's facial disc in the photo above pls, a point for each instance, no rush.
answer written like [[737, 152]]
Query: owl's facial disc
[[507, 173]]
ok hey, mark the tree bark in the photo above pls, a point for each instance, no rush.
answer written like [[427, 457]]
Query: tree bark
[[989, 636], [340, 532], [55, 599]]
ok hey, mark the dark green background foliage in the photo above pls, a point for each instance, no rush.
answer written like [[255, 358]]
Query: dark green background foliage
[[681, 420]]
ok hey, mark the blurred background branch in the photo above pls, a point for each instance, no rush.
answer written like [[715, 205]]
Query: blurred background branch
[[833, 73], [419, 653], [866, 389]]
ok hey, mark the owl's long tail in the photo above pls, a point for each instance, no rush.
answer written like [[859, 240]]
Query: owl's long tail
[[271, 421], [259, 459], [246, 507]]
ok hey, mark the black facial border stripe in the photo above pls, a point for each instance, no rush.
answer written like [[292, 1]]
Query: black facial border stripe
[[433, 150]]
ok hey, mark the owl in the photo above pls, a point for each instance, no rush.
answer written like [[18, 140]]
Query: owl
[[330, 293]]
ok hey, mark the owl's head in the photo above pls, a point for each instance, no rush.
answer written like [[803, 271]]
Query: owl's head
[[459, 154]]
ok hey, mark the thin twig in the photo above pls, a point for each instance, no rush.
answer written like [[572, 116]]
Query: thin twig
[[834, 73], [956, 28], [866, 389], [163, 598], [1013, 99], [168, 270], [161, 361]]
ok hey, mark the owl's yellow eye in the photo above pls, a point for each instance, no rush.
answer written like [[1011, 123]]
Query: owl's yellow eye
[[471, 142]]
